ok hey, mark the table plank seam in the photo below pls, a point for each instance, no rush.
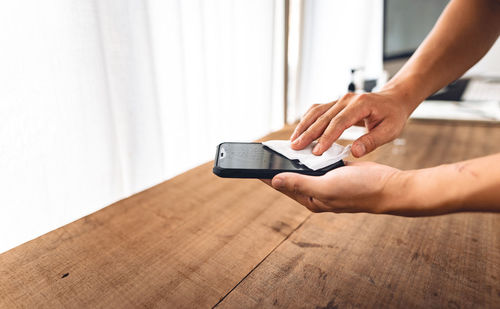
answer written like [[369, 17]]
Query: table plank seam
[[258, 264]]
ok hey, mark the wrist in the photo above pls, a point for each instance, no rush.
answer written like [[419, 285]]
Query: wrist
[[427, 192], [400, 194], [405, 91]]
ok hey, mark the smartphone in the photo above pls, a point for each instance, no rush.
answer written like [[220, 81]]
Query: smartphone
[[254, 160]]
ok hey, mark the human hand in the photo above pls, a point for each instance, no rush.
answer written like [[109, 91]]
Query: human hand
[[384, 114], [357, 187]]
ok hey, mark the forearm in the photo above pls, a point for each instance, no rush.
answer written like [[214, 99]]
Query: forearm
[[463, 34], [472, 185]]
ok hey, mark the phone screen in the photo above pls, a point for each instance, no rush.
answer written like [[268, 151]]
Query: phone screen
[[254, 156]]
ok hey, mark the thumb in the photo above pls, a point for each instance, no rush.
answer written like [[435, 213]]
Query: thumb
[[295, 183], [371, 140]]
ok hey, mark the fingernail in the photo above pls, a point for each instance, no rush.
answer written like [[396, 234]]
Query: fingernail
[[360, 149], [278, 183], [317, 148], [295, 142]]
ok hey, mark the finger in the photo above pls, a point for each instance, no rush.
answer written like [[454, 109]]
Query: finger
[[378, 136], [309, 118], [311, 203], [299, 125], [297, 184], [345, 119], [308, 201], [316, 129], [302, 199]]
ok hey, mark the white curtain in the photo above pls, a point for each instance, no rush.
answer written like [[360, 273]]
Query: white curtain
[[334, 36], [101, 99]]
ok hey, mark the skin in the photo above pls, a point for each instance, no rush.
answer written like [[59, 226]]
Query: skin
[[463, 34], [381, 189]]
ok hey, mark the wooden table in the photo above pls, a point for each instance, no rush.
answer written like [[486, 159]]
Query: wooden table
[[201, 241]]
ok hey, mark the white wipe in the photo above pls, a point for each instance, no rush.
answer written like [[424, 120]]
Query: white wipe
[[306, 157]]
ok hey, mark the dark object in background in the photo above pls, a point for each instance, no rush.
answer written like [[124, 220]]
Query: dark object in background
[[452, 92], [369, 84], [352, 86]]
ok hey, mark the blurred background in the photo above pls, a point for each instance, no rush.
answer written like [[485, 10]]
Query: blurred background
[[103, 99]]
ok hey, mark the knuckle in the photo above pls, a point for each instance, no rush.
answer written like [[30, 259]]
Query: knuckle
[[329, 134], [304, 118], [362, 97], [314, 107], [338, 123], [314, 130], [314, 112], [348, 96], [326, 139], [324, 118], [296, 188], [308, 132], [299, 126], [369, 142], [307, 135], [317, 114]]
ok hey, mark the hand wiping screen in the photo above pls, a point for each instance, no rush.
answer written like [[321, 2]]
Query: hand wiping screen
[[306, 157]]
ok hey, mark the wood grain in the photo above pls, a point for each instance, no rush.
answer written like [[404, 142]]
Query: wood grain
[[379, 261], [370, 261], [198, 240], [184, 243]]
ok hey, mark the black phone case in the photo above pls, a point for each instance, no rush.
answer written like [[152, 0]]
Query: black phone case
[[268, 173]]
